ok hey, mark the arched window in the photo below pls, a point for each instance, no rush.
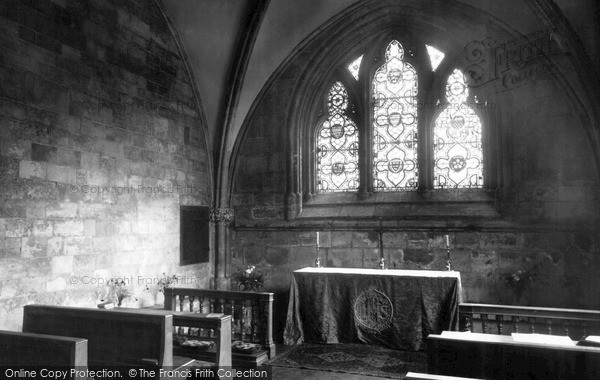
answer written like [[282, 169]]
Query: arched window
[[457, 139], [395, 120], [337, 145], [403, 137]]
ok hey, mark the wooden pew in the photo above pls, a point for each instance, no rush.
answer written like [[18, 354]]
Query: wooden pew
[[116, 337], [127, 337], [37, 350], [251, 316], [426, 376], [500, 357]]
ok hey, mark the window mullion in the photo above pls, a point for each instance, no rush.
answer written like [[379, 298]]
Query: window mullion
[[366, 142], [426, 110]]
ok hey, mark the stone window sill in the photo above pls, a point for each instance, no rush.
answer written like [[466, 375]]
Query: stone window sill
[[438, 204]]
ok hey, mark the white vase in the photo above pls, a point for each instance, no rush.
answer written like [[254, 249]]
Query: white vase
[[147, 299], [160, 298]]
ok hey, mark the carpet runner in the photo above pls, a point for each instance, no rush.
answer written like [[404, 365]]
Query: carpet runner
[[358, 359]]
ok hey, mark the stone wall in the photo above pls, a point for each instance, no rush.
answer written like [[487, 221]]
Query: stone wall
[[535, 268], [101, 142], [548, 269]]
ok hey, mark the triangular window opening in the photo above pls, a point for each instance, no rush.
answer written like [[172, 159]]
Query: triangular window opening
[[435, 57]]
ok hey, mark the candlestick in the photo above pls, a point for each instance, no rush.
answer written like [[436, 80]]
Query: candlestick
[[318, 259], [381, 263]]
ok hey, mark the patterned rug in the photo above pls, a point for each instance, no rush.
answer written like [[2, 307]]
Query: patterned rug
[[353, 358]]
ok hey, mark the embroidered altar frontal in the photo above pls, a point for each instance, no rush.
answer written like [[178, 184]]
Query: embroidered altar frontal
[[392, 308]]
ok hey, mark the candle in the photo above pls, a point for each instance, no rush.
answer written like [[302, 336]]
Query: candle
[[447, 242], [317, 239]]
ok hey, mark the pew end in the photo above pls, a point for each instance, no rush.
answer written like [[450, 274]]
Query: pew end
[[216, 328], [427, 376], [27, 349]]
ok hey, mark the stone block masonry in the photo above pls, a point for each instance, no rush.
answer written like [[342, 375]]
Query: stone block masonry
[[96, 111], [551, 263]]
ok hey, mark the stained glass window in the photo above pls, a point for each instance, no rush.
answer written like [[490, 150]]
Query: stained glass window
[[354, 67], [457, 140], [337, 146], [395, 118], [435, 56]]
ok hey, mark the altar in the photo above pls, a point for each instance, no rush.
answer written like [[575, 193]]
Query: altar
[[392, 308]]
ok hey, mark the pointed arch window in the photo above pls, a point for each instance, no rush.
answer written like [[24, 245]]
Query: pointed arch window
[[394, 140], [457, 139], [337, 145], [395, 119]]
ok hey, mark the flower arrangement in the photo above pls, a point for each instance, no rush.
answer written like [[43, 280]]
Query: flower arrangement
[[118, 290], [518, 281], [522, 279], [249, 278], [166, 281]]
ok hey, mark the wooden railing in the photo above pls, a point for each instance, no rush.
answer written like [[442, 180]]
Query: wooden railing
[[251, 312], [504, 320]]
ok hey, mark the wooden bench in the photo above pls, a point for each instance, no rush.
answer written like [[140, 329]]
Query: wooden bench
[[38, 350], [128, 337], [426, 376], [251, 316], [501, 357]]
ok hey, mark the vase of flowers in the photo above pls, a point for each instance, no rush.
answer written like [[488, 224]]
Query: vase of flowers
[[118, 291], [518, 281], [164, 283], [249, 278], [521, 280]]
